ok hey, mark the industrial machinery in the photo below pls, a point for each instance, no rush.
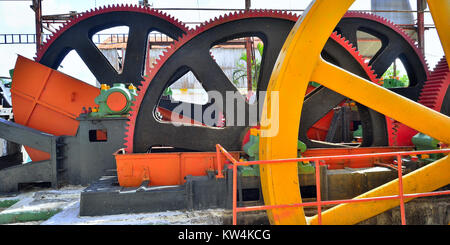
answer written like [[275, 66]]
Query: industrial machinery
[[55, 111], [276, 180], [120, 139]]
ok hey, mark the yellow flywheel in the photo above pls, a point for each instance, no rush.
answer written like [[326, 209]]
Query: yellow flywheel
[[287, 87]]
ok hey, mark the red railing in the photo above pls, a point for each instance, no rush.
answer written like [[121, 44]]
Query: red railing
[[320, 161]]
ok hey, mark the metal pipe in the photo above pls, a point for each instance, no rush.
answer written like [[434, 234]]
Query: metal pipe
[[421, 4], [400, 189], [219, 164], [248, 46], [339, 157], [37, 7], [334, 202], [319, 198], [234, 194], [293, 10]]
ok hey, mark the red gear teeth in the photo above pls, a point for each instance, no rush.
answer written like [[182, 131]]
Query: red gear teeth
[[352, 50], [129, 131], [114, 8], [391, 25], [434, 90]]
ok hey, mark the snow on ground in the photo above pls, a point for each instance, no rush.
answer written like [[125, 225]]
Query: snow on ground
[[67, 200]]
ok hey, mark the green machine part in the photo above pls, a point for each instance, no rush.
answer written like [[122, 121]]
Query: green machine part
[[118, 91], [424, 142], [252, 150]]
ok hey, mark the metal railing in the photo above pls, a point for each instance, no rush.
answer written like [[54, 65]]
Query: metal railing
[[103, 38], [320, 160]]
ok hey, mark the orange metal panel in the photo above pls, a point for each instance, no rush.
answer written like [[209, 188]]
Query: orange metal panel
[[163, 168], [48, 100]]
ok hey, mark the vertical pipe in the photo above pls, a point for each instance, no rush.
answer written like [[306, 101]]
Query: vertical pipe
[[37, 4], [400, 189], [319, 204], [421, 25], [249, 53], [249, 63], [234, 193], [219, 163], [395, 69]]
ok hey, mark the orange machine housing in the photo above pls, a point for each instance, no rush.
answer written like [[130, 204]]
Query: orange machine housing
[[354, 163], [48, 100], [164, 168]]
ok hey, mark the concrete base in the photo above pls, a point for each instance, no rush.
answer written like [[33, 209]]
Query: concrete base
[[106, 197], [421, 211]]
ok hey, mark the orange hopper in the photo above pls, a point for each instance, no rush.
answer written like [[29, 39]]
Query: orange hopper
[[48, 100]]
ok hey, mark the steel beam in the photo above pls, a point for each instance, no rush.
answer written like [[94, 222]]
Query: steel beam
[[23, 135]]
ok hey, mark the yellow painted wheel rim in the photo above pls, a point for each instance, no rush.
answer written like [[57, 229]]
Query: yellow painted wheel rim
[[287, 87]]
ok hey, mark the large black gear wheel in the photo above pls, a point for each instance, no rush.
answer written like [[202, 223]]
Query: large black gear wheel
[[192, 54], [77, 35]]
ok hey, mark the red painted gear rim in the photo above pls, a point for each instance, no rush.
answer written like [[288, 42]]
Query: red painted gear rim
[[434, 90], [107, 9], [129, 131]]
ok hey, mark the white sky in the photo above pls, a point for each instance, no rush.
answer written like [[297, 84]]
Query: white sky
[[17, 17]]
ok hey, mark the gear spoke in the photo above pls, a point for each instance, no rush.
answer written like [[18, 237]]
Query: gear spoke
[[213, 78], [96, 61], [211, 75], [385, 57], [134, 58], [349, 32]]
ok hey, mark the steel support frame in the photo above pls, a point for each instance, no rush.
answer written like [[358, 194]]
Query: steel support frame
[[73, 159], [37, 7], [43, 171], [421, 5]]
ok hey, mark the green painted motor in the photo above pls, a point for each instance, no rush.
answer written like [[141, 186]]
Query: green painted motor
[[425, 142], [252, 150], [303, 167], [115, 101]]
